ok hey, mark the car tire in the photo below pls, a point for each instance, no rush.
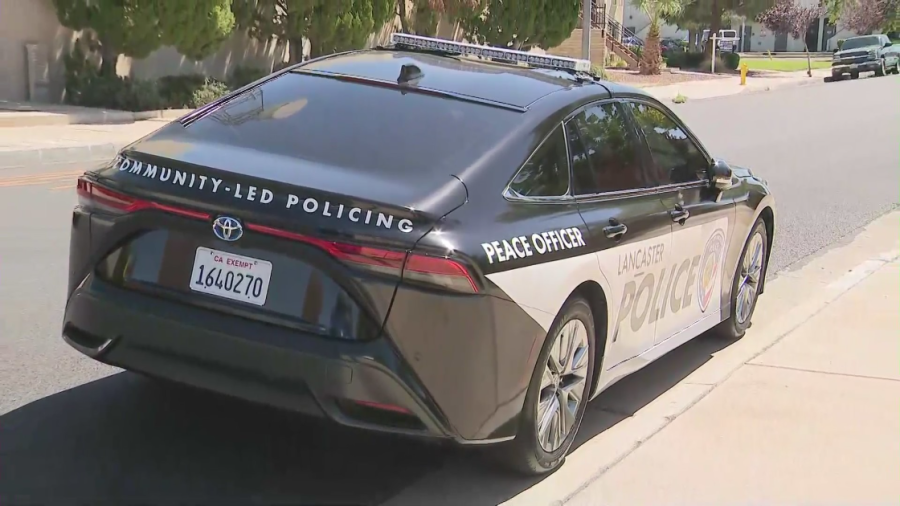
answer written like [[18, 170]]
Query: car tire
[[739, 319], [854, 75], [881, 71], [896, 69], [530, 453]]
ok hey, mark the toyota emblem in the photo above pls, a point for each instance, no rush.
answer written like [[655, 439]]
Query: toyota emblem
[[228, 228]]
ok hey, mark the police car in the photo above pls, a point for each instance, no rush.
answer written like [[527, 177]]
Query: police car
[[429, 238]]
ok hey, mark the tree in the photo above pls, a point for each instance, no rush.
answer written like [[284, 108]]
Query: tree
[[136, 28], [520, 24], [341, 25], [867, 16], [423, 19], [712, 13], [196, 28], [794, 19], [129, 27], [694, 17], [651, 59], [329, 25]]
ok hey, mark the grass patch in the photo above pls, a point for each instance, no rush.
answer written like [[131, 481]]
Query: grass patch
[[783, 64]]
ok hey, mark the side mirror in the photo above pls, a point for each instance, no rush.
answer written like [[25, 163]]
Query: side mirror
[[835, 50], [720, 175], [888, 44]]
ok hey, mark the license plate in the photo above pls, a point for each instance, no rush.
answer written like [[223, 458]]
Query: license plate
[[231, 276]]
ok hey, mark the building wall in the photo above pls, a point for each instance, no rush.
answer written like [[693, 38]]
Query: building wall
[[32, 22], [239, 50], [638, 22]]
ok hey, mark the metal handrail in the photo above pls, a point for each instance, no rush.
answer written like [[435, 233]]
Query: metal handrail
[[611, 28]]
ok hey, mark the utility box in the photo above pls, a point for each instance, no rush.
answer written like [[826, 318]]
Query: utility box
[[38, 72]]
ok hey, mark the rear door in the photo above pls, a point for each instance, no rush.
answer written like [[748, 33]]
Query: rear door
[[628, 227], [701, 222]]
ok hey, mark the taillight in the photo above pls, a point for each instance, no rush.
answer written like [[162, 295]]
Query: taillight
[[92, 195], [437, 271]]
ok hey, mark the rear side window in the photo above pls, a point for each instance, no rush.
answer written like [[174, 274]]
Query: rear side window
[[605, 154], [675, 156], [546, 173]]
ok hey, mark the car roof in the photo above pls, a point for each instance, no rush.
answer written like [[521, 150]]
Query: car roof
[[483, 80]]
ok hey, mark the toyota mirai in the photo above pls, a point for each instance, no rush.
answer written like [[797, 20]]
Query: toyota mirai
[[427, 238]]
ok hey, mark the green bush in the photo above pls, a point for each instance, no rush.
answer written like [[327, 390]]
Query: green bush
[[599, 72], [242, 76], [178, 91], [211, 90], [731, 60], [692, 60], [840, 44]]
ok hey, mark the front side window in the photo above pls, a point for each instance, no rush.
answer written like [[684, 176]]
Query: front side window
[[675, 156], [604, 151], [546, 173]]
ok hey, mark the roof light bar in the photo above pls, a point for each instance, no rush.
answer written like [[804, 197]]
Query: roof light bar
[[552, 62]]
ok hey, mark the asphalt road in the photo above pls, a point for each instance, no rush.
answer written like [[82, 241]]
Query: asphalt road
[[74, 432]]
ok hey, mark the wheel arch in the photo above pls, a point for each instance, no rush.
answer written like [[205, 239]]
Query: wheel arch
[[596, 298], [767, 214]]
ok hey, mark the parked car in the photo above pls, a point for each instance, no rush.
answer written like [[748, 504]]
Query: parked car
[[866, 53], [669, 45], [726, 41], [421, 239]]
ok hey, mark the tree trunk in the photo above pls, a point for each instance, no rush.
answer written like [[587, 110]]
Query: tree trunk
[[651, 59], [714, 25], [692, 40], [401, 12], [296, 50], [109, 58], [808, 63]]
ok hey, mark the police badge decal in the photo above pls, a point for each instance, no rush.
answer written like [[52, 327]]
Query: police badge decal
[[709, 268]]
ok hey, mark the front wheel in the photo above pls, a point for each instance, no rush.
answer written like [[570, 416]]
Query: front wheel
[[880, 71], [748, 279], [557, 394], [854, 75]]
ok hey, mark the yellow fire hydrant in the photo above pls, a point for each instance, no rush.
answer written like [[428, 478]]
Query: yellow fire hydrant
[[743, 74]]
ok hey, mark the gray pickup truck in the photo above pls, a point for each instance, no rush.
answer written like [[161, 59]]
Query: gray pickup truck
[[867, 53]]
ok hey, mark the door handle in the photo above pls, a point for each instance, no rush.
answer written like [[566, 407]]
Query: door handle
[[679, 214], [615, 230]]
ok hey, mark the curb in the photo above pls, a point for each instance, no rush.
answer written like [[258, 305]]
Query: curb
[[59, 156], [14, 119]]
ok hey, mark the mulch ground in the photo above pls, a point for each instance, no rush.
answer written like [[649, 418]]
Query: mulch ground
[[667, 76]]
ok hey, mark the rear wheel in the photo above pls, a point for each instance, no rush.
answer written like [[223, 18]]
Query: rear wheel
[[557, 395], [748, 279]]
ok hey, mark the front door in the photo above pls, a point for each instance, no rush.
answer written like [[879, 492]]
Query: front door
[[780, 42], [701, 222], [628, 226]]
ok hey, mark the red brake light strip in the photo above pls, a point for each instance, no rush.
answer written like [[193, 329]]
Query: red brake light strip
[[376, 258]]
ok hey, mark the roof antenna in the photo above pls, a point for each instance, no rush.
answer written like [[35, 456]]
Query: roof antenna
[[410, 75]]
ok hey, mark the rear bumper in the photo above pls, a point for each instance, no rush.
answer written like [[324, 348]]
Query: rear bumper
[[363, 385]]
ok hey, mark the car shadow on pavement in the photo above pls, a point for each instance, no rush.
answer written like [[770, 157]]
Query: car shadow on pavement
[[126, 439], [470, 480]]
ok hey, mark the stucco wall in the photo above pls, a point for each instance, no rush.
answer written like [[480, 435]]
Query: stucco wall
[[236, 51], [635, 19], [31, 21]]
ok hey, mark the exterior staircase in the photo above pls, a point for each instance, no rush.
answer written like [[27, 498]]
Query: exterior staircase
[[606, 36]]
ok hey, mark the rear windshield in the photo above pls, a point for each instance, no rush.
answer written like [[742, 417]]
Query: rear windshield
[[860, 42], [360, 127]]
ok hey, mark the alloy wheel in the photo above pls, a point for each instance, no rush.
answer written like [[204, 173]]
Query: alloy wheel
[[563, 385], [751, 275]]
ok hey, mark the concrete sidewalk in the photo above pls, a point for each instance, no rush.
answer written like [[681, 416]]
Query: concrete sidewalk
[[67, 144], [698, 90], [812, 420]]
